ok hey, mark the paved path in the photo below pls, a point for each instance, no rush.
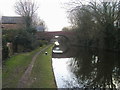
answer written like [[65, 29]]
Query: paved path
[[24, 79]]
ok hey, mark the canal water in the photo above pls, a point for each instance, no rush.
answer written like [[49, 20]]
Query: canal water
[[81, 67]]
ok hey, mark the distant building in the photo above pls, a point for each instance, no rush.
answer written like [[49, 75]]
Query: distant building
[[40, 28], [10, 22]]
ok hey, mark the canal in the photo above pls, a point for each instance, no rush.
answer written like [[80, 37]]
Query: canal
[[80, 67]]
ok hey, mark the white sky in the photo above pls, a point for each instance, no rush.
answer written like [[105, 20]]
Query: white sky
[[50, 11]]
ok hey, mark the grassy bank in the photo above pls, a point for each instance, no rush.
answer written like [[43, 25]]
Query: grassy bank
[[14, 68], [42, 74]]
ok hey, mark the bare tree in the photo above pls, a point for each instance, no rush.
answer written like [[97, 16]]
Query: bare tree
[[37, 21], [27, 9]]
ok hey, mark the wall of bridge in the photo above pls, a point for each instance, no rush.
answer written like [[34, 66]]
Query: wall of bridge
[[49, 35]]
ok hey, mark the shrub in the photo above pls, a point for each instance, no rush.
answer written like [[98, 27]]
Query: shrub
[[22, 41]]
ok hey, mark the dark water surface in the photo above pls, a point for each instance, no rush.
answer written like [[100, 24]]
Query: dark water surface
[[86, 67]]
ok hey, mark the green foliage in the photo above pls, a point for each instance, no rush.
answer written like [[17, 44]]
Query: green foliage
[[22, 41], [42, 42], [31, 30], [7, 36], [4, 52], [25, 39]]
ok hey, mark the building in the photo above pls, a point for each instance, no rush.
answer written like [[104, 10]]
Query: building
[[17, 22], [10, 22], [40, 28]]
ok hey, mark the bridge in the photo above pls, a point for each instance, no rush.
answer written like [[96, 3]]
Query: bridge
[[70, 35]]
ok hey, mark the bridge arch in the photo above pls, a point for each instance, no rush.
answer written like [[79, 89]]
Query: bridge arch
[[62, 36], [69, 36]]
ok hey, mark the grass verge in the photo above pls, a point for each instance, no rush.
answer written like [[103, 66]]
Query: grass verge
[[42, 75], [15, 67]]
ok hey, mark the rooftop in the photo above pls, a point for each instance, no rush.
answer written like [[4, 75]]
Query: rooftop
[[11, 20]]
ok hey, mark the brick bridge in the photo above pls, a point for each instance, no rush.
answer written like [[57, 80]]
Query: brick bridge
[[49, 35]]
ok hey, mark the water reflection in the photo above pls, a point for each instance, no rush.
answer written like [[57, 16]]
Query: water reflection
[[63, 75], [88, 68], [98, 68]]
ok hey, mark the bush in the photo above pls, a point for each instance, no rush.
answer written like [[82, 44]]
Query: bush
[[42, 42], [4, 52], [22, 41]]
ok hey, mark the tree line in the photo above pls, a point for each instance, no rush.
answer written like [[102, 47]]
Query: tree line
[[97, 23]]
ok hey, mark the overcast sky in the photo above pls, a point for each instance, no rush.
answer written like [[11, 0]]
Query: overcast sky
[[50, 11]]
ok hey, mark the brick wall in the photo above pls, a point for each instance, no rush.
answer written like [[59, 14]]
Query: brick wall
[[13, 26]]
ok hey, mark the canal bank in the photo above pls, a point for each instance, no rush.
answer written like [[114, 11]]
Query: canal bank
[[82, 67], [41, 75]]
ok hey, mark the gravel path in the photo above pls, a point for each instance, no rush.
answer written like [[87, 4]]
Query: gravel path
[[25, 77]]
